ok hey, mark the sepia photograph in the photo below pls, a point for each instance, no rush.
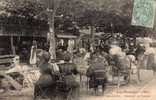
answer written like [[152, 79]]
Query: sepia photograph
[[77, 50]]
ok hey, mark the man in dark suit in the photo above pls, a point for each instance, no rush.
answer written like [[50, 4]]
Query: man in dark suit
[[97, 73], [48, 74], [69, 72]]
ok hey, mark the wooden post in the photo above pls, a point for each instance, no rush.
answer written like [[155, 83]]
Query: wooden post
[[118, 84], [92, 36], [12, 45]]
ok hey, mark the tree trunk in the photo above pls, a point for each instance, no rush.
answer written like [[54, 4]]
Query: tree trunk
[[52, 15], [52, 48]]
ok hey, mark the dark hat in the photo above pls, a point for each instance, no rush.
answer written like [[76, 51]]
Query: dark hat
[[67, 56]]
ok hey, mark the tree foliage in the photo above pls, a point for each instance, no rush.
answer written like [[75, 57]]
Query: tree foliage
[[22, 8], [23, 16], [97, 12], [104, 15]]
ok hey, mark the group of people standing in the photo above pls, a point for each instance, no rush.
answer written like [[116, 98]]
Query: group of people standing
[[91, 62], [52, 72]]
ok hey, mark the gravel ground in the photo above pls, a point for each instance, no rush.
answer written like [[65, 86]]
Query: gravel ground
[[112, 93], [128, 92]]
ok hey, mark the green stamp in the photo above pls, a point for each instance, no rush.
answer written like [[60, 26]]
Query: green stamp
[[143, 13]]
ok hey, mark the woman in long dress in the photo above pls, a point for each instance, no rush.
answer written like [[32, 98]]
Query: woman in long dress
[[33, 58]]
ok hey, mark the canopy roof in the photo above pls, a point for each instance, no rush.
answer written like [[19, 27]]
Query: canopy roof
[[18, 26]]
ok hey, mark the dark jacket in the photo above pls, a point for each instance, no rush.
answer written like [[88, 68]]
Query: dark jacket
[[48, 76], [68, 70], [99, 64], [97, 73]]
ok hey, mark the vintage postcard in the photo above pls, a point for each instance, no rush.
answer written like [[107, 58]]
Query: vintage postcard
[[77, 50]]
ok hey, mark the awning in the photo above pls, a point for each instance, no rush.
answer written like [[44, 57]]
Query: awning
[[67, 36], [32, 34]]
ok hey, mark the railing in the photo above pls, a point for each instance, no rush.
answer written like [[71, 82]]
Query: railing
[[7, 60]]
